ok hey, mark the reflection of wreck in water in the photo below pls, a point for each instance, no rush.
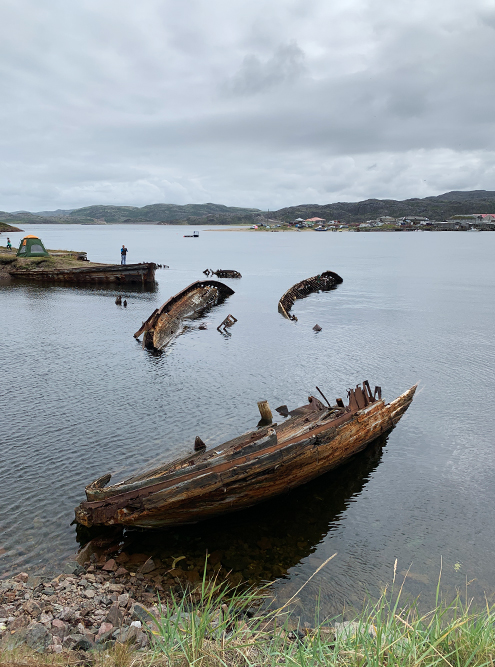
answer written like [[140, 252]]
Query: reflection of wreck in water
[[166, 322], [321, 283]]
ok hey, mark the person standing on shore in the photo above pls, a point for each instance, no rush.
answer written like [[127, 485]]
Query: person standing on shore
[[123, 254], [9, 244]]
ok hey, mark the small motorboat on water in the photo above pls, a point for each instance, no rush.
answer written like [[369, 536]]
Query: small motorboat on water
[[249, 469]]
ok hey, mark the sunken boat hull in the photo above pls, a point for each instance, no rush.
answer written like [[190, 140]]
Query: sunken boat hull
[[324, 281], [247, 470], [165, 323], [141, 274]]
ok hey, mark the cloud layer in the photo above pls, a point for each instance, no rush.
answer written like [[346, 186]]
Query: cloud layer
[[250, 104]]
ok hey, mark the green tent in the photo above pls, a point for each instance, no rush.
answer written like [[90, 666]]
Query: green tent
[[31, 246]]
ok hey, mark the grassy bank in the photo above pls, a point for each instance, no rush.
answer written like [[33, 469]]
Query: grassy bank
[[58, 259], [216, 626]]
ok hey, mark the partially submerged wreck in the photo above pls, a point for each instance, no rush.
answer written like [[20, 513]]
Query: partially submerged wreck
[[223, 273], [166, 322], [135, 274], [249, 469], [34, 262], [321, 283]]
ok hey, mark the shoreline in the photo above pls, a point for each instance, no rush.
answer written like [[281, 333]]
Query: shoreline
[[89, 616]]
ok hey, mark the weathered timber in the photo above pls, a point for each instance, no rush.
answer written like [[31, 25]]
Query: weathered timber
[[265, 412], [323, 282], [143, 274], [228, 322], [222, 273], [249, 469], [166, 322]]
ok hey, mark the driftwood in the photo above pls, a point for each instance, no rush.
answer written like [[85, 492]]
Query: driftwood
[[247, 470], [166, 322], [323, 282]]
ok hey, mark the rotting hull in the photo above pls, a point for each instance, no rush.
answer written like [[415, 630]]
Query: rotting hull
[[143, 274], [165, 323], [323, 282], [245, 473]]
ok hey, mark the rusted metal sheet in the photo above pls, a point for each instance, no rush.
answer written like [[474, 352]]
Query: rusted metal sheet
[[323, 282], [166, 322], [246, 470], [143, 274]]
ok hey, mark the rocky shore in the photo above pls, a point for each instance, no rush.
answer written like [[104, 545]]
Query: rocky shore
[[84, 608]]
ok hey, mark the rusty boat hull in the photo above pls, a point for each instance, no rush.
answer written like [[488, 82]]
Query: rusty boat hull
[[247, 470], [323, 282], [166, 322], [135, 274]]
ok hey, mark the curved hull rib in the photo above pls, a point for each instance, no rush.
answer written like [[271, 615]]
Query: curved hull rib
[[325, 281]]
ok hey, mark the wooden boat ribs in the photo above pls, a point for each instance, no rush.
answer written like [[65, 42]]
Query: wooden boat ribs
[[322, 282], [222, 273], [248, 469], [166, 322]]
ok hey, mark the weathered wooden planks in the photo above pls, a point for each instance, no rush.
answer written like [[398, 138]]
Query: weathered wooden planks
[[166, 322], [106, 273], [238, 474], [325, 281]]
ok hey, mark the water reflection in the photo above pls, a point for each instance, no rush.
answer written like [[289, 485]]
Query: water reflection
[[261, 543]]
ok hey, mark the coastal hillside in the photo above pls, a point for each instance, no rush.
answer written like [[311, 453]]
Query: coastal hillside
[[440, 207], [4, 227], [153, 213]]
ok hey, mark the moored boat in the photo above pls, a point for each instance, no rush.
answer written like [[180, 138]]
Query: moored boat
[[143, 274], [249, 469], [166, 322]]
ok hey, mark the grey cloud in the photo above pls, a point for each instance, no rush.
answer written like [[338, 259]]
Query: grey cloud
[[285, 66], [261, 104]]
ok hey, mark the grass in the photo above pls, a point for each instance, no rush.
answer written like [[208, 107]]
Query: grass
[[214, 626], [64, 259]]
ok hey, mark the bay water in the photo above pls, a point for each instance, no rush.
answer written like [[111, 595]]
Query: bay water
[[80, 397]]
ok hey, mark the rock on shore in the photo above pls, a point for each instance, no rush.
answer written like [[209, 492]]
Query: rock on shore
[[78, 610]]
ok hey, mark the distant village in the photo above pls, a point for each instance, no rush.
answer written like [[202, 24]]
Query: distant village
[[471, 222]]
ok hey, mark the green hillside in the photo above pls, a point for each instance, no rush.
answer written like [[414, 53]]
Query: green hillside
[[441, 207]]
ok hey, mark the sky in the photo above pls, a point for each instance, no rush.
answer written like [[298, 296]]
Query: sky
[[266, 103]]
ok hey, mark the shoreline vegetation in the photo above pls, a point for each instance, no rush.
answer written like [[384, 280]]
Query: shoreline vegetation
[[57, 259], [89, 615]]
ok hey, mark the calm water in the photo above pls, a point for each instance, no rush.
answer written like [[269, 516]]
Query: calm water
[[79, 397]]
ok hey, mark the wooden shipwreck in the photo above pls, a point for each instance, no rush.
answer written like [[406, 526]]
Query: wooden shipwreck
[[166, 322], [249, 469], [223, 273], [115, 274], [323, 282]]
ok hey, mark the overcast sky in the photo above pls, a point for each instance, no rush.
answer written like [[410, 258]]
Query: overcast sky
[[266, 103]]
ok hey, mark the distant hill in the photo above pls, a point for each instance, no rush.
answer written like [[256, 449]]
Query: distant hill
[[441, 207], [436, 208], [153, 213], [4, 227]]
